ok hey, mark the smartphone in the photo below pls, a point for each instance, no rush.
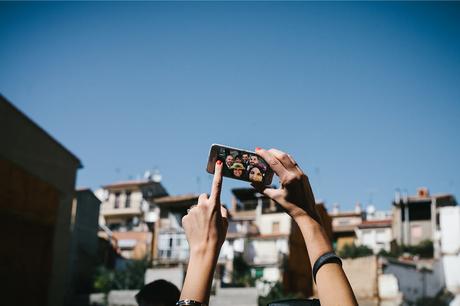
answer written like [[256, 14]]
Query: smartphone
[[240, 164]]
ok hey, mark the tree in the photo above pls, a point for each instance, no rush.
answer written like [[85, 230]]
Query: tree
[[424, 250], [353, 251], [242, 272], [131, 276]]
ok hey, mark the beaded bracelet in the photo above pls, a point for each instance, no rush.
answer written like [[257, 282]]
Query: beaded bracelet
[[189, 303]]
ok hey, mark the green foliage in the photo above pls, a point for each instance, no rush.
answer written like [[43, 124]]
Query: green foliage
[[443, 298], [353, 251], [424, 250], [103, 280], [242, 272], [276, 293], [130, 277]]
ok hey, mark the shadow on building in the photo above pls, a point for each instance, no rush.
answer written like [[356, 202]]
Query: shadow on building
[[37, 183]]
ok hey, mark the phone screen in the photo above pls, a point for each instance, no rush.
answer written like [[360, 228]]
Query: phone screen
[[240, 164]]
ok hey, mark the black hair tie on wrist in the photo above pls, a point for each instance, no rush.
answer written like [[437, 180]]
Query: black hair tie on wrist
[[326, 258]]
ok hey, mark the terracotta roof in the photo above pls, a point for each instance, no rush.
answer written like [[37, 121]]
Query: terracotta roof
[[128, 183], [231, 235], [243, 215], [344, 228], [376, 223], [177, 198], [345, 214], [269, 236]]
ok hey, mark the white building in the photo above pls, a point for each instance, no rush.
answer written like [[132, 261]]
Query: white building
[[449, 232], [375, 234], [259, 232], [171, 246]]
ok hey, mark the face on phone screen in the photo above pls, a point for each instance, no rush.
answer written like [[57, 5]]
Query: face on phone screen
[[240, 164]]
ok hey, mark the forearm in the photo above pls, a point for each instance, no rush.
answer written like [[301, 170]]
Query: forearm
[[200, 271], [332, 283]]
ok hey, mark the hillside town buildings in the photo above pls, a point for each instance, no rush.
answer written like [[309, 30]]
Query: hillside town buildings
[[129, 212], [416, 218]]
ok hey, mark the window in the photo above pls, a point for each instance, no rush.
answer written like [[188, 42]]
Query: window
[[128, 199], [114, 226], [275, 227], [416, 231], [116, 204]]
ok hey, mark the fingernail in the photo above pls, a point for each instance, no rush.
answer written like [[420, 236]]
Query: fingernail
[[219, 162], [257, 149]]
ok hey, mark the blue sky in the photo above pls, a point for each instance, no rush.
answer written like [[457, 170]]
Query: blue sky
[[366, 96]]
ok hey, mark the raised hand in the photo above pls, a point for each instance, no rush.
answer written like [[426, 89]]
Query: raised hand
[[295, 194]]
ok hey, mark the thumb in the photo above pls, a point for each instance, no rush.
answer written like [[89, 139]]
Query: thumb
[[269, 192]]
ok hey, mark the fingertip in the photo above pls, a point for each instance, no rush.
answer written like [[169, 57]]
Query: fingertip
[[218, 168]]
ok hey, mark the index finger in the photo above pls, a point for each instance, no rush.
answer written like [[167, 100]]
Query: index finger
[[216, 183]]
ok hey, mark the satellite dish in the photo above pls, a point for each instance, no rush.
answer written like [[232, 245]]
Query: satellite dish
[[156, 176], [370, 209], [147, 175]]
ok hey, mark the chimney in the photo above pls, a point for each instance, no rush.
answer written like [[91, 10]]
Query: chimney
[[358, 208], [397, 196], [335, 208], [422, 192]]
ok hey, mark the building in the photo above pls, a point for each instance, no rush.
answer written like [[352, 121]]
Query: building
[[416, 279], [84, 250], [416, 218], [449, 232], [258, 232], [128, 210], [37, 186], [344, 224], [375, 234], [171, 246]]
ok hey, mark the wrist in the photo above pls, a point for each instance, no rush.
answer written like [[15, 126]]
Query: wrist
[[304, 220], [204, 253], [315, 237]]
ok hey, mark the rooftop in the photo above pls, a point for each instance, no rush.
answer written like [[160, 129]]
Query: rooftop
[[443, 199], [178, 199], [376, 223], [130, 183], [345, 214]]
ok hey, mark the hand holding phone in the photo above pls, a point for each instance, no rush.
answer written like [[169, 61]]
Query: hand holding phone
[[240, 164]]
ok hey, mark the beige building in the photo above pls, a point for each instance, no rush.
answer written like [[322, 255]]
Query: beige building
[[258, 231], [128, 210], [344, 224], [37, 185], [416, 218]]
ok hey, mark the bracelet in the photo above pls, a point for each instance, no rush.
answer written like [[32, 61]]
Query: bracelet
[[326, 258], [189, 303]]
